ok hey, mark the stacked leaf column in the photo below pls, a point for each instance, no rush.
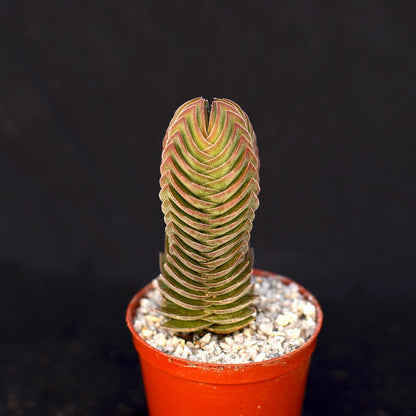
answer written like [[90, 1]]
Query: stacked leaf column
[[209, 187]]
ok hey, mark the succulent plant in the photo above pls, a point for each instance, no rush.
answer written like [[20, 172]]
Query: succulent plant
[[209, 186]]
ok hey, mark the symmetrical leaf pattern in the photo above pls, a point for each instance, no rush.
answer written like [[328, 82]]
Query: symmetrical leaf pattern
[[209, 186]]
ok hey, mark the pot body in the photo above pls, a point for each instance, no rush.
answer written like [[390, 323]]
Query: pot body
[[178, 387]]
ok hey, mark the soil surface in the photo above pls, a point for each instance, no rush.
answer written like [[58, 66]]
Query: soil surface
[[283, 321]]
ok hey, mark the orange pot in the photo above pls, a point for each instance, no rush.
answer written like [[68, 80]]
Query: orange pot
[[179, 387]]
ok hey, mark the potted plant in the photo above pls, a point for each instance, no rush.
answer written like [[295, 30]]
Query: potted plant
[[207, 287]]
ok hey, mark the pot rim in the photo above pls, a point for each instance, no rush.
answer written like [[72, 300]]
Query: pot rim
[[288, 361]]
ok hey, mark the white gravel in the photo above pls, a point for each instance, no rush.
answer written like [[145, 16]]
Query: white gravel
[[285, 320]]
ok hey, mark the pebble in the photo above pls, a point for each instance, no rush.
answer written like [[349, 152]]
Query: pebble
[[178, 351], [250, 341], [266, 328], [259, 357], [285, 320], [186, 351], [205, 339], [293, 333], [238, 338], [309, 309], [247, 332], [282, 320], [160, 339], [252, 353], [229, 341], [147, 333], [146, 305], [225, 346]]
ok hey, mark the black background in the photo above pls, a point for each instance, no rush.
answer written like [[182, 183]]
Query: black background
[[87, 89]]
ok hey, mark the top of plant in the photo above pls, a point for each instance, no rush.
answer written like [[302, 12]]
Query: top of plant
[[209, 186]]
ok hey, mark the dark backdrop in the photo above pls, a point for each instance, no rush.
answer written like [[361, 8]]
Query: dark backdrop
[[87, 90]]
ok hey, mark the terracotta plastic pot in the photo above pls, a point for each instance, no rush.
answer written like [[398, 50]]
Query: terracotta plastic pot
[[179, 387]]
